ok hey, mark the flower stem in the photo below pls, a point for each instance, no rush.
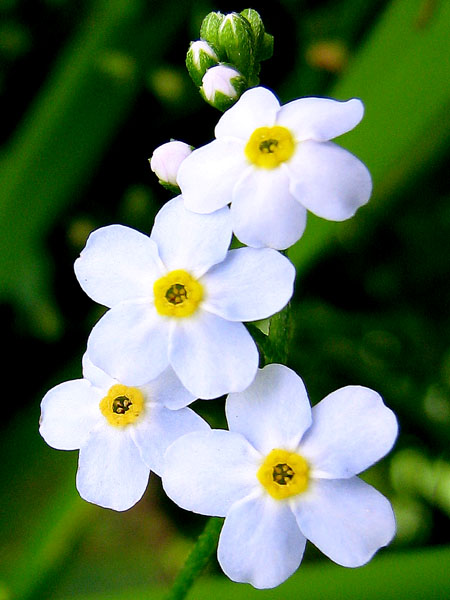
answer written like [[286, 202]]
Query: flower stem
[[197, 559]]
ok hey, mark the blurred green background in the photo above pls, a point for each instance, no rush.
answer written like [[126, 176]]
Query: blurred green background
[[88, 90]]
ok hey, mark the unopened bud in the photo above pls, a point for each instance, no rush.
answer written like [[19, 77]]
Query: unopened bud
[[222, 86], [236, 39], [200, 57], [209, 31], [166, 161], [256, 24], [263, 48]]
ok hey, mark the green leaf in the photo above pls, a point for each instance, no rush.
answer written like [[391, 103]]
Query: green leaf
[[44, 515], [61, 140]]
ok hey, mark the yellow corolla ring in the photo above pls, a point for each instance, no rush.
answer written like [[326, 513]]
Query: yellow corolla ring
[[283, 474], [268, 147], [122, 405], [177, 294]]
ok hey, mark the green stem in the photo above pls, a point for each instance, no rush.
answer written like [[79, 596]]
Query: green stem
[[197, 559]]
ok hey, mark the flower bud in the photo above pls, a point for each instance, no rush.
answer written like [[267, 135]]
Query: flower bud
[[256, 24], [263, 42], [221, 86], [166, 161], [200, 57], [236, 39], [209, 31], [233, 41]]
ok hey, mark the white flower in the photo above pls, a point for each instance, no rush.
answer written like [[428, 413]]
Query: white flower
[[272, 163], [166, 160], [122, 432], [178, 297], [284, 474]]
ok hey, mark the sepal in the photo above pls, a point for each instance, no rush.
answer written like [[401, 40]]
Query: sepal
[[237, 40], [265, 49], [209, 31], [199, 58]]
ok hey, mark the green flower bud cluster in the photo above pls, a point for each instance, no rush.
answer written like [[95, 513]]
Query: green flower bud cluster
[[226, 60]]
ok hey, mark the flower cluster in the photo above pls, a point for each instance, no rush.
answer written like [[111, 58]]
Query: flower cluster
[[226, 60], [174, 331]]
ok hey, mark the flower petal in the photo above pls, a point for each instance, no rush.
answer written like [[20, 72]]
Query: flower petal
[[207, 177], [111, 472], [130, 343], [347, 519], [328, 180], [117, 264], [250, 284], [69, 412], [260, 542], [167, 390], [206, 472], [99, 379], [320, 119], [352, 428], [273, 412], [190, 241], [264, 212], [159, 428], [257, 107], [212, 356]]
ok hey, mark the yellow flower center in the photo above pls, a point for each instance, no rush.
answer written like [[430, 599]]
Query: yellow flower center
[[122, 405], [270, 146], [177, 294], [283, 474]]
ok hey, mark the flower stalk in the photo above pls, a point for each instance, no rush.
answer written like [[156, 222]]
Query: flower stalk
[[198, 558]]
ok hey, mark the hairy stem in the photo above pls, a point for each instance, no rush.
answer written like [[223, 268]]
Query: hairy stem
[[197, 559]]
